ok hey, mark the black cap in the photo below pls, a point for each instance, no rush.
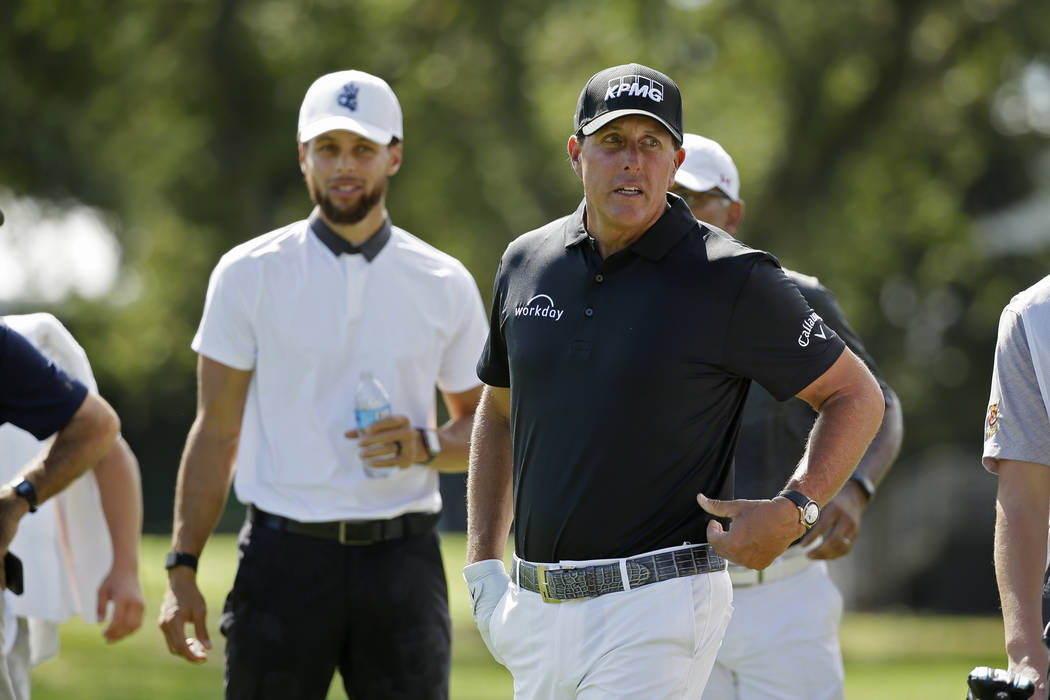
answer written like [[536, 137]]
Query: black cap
[[629, 89]]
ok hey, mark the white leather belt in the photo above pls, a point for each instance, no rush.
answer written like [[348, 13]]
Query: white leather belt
[[788, 564]]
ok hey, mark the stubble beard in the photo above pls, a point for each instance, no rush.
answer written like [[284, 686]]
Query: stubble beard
[[347, 215]]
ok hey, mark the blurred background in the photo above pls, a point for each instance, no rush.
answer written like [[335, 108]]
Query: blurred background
[[897, 149]]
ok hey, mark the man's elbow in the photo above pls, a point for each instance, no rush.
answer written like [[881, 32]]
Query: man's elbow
[[110, 423], [874, 403], [100, 420]]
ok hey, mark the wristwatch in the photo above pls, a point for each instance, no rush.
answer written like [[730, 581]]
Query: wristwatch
[[865, 485], [26, 490], [808, 510], [431, 443], [180, 559]]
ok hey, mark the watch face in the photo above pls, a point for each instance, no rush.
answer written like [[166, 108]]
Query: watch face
[[433, 443], [810, 514], [25, 490]]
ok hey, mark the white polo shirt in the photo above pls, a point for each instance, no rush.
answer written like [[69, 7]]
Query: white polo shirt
[[307, 321]]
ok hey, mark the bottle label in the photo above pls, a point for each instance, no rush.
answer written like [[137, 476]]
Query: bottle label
[[366, 417]]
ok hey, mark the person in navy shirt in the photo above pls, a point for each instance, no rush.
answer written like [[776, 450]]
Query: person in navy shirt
[[38, 397]]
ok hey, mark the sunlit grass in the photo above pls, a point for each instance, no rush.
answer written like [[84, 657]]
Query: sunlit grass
[[888, 656]]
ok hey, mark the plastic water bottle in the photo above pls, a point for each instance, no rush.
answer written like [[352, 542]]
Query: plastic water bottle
[[371, 402]]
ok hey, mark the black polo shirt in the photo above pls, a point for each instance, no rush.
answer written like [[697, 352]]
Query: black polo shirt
[[628, 376], [35, 394], [773, 433]]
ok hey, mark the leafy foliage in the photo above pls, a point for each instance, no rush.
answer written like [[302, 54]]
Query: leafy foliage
[[870, 137]]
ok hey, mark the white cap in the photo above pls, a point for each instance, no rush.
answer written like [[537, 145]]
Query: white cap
[[707, 165], [350, 100]]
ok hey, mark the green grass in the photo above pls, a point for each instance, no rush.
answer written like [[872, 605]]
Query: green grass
[[898, 656]]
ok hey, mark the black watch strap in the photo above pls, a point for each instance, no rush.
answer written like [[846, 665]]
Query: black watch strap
[[865, 485], [180, 559], [796, 497], [25, 489], [808, 509]]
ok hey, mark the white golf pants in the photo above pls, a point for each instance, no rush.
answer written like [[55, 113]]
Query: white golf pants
[[655, 642], [783, 641]]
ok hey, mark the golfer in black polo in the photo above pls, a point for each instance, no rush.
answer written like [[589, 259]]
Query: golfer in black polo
[[623, 340]]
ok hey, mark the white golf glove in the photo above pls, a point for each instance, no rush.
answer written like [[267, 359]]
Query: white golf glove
[[487, 581]]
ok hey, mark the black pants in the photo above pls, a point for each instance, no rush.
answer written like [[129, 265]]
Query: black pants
[[302, 606]]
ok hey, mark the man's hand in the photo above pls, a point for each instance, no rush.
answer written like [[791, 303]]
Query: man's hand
[[12, 508], [996, 684], [487, 582], [839, 524], [759, 533], [125, 592], [1032, 667], [390, 442], [183, 604]]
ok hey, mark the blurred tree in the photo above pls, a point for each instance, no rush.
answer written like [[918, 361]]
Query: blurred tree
[[870, 137]]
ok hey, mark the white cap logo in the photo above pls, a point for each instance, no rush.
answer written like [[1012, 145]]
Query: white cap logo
[[635, 86], [348, 98]]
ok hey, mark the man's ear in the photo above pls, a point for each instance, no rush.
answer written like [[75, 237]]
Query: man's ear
[[679, 158], [396, 155], [575, 148], [302, 158], [734, 216]]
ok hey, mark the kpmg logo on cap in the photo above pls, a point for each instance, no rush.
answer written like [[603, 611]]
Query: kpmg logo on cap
[[541, 306], [635, 86], [348, 97]]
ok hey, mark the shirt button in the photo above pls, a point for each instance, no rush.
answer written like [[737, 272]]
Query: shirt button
[[599, 277], [588, 312]]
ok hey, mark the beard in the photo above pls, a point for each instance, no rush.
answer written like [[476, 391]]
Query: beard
[[347, 215]]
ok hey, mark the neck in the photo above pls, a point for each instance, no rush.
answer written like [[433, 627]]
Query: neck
[[611, 238], [364, 229]]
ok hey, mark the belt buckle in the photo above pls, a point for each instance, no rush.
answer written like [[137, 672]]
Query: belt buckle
[[343, 539], [541, 580]]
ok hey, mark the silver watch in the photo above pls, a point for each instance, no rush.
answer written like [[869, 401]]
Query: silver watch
[[431, 442]]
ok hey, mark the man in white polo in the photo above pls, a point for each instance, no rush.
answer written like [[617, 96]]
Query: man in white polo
[[337, 568]]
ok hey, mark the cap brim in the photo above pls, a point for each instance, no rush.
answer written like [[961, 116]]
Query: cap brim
[[369, 131], [603, 119], [694, 182]]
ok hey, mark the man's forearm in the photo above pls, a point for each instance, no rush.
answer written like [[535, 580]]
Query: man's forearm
[[1022, 506], [455, 444], [489, 483], [120, 488], [1019, 573], [885, 446], [77, 447], [201, 489], [844, 428]]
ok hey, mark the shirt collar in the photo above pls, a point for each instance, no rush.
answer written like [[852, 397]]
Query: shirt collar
[[656, 242], [338, 245]]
